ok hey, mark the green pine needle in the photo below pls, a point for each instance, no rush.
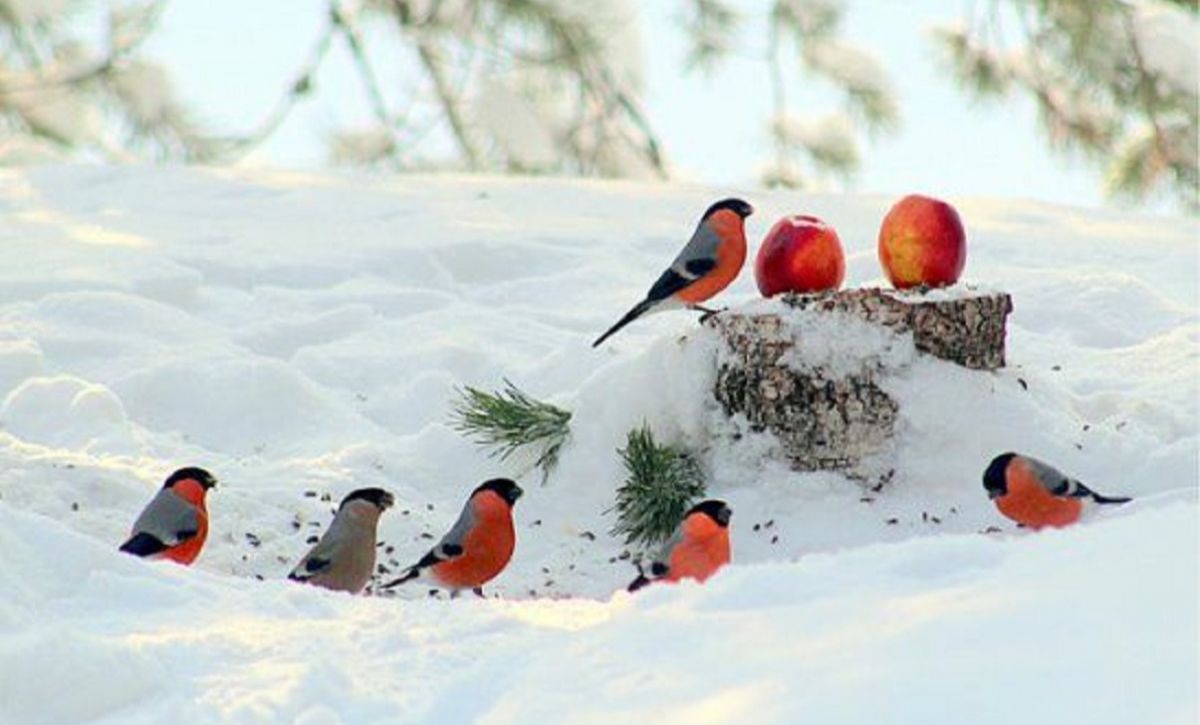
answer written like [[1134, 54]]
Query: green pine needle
[[662, 482], [509, 420]]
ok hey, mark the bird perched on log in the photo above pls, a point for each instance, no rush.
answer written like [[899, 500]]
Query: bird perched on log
[[344, 559], [709, 262], [697, 549], [1036, 494], [479, 545], [174, 525]]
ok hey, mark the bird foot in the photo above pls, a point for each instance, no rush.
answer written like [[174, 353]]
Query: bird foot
[[707, 312], [479, 592]]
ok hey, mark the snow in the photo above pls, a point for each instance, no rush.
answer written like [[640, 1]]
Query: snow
[[304, 334]]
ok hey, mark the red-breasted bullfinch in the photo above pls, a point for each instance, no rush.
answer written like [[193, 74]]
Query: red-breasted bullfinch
[[697, 549], [174, 524], [344, 559], [711, 260], [1036, 494], [477, 547]]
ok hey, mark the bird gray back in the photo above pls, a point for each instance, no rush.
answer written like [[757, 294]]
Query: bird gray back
[[699, 252], [344, 558], [166, 517]]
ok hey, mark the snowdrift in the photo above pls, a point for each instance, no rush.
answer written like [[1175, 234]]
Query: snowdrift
[[303, 335]]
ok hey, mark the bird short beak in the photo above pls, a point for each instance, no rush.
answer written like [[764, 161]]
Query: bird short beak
[[993, 494], [387, 501]]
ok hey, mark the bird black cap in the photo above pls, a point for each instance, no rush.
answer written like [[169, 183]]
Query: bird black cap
[[737, 206], [716, 510], [199, 475], [506, 488], [994, 480], [382, 499]]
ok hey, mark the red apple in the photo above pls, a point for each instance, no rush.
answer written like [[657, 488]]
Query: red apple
[[922, 242], [799, 254]]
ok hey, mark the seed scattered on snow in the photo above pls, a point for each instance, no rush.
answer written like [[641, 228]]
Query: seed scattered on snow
[[312, 539], [892, 522], [588, 535]]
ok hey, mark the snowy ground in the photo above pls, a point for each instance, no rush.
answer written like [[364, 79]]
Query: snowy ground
[[303, 334]]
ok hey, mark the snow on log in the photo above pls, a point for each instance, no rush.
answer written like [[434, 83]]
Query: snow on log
[[810, 369]]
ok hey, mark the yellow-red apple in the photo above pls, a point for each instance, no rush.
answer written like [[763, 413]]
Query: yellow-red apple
[[800, 254], [922, 242]]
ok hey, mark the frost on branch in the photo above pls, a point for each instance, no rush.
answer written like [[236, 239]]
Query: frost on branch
[[812, 370]]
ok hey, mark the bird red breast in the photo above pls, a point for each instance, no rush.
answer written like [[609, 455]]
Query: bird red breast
[[697, 549], [709, 263], [1036, 494], [344, 558], [174, 525], [479, 545]]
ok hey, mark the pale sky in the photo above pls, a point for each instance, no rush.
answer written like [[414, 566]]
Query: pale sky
[[230, 60]]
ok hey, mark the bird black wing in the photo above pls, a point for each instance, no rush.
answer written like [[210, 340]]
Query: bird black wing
[[436, 555], [143, 545]]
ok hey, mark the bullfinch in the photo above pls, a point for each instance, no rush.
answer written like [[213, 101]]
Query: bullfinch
[[711, 260], [477, 547], [174, 524], [1036, 494], [344, 559], [697, 549]]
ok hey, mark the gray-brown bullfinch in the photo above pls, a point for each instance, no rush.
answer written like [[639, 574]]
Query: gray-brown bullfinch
[[174, 525], [697, 549], [1036, 494], [709, 262], [344, 559], [477, 547]]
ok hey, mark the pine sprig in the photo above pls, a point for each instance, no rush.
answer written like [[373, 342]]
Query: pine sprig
[[508, 420], [662, 482]]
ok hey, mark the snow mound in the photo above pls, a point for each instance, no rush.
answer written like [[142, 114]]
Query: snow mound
[[308, 338]]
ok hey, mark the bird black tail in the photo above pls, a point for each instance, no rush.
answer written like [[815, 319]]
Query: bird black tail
[[641, 581], [1110, 499], [640, 309], [143, 545], [412, 573]]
